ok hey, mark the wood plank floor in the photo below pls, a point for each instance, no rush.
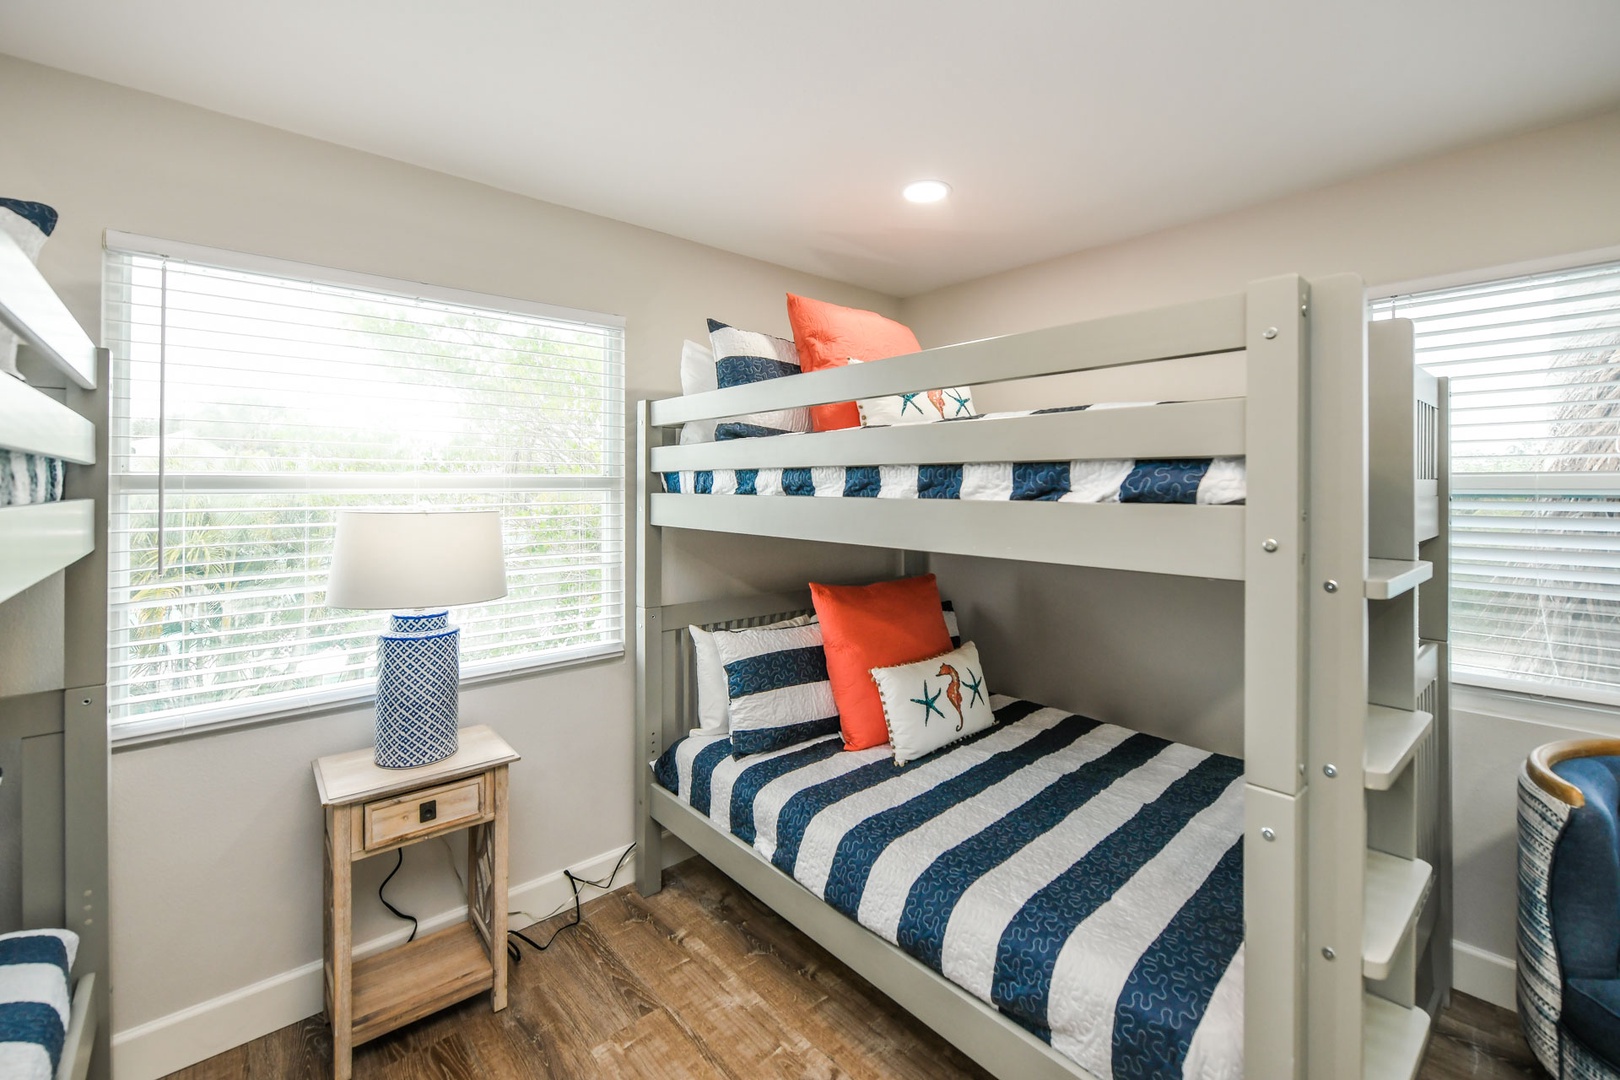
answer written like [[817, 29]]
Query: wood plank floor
[[703, 981]]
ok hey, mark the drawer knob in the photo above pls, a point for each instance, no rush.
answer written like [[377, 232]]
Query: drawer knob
[[428, 810]]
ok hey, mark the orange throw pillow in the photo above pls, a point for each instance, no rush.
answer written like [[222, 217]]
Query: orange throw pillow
[[869, 626], [828, 335]]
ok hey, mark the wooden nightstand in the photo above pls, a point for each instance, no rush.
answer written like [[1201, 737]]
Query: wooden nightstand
[[370, 810]]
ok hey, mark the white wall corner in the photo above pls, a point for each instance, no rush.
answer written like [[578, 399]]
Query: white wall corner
[[194, 1034], [1484, 975]]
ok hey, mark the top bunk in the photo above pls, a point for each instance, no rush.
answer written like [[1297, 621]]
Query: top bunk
[[41, 532], [1279, 330]]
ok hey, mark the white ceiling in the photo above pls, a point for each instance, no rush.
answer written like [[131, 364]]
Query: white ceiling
[[785, 131]]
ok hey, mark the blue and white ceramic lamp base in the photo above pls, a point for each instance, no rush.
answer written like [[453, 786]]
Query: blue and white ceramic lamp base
[[418, 675]]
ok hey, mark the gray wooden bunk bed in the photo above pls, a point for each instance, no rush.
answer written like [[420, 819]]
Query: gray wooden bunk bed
[[1340, 548], [57, 740]]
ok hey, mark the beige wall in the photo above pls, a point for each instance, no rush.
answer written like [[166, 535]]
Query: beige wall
[[1543, 195], [216, 850]]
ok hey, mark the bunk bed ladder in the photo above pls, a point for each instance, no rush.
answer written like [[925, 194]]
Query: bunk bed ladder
[[1406, 944]]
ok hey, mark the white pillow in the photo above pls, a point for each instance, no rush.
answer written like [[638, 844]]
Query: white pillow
[[922, 407], [714, 701], [933, 703], [697, 375]]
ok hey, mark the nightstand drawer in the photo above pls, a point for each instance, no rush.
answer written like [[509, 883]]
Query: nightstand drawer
[[388, 821]]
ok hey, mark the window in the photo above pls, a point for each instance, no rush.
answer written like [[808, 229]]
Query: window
[[251, 399], [1534, 364]]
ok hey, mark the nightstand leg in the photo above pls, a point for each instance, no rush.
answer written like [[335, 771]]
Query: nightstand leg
[[497, 893], [340, 917]]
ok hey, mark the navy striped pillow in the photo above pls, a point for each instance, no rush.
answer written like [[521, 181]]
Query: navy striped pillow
[[778, 688], [742, 357]]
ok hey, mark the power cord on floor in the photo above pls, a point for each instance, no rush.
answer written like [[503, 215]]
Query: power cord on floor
[[576, 883], [398, 913]]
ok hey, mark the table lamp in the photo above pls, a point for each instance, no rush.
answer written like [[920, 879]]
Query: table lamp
[[392, 560]]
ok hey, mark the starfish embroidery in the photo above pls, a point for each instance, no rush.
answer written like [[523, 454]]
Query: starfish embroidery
[[910, 401], [974, 686], [929, 702], [961, 401]]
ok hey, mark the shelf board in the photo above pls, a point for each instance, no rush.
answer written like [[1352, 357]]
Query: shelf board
[[1395, 889], [408, 982], [1389, 578], [1390, 741], [30, 308], [42, 538], [1393, 1039]]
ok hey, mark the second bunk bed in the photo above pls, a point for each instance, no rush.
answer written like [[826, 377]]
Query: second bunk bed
[[1340, 528], [49, 451]]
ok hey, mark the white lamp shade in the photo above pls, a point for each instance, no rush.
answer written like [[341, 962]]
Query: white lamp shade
[[398, 559]]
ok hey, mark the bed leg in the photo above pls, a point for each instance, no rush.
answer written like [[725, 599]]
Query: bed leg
[[649, 856]]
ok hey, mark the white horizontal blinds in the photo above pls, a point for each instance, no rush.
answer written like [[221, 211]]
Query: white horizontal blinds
[[1535, 440], [275, 400]]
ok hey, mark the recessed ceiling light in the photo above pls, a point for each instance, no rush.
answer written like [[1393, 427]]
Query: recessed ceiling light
[[926, 191]]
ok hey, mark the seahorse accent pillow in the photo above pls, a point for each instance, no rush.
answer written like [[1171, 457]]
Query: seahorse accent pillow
[[917, 407], [933, 703]]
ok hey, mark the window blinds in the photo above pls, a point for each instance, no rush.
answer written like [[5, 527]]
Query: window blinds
[[1534, 364], [249, 405]]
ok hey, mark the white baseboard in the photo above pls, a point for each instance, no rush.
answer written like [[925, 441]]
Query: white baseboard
[[1485, 975], [194, 1034]]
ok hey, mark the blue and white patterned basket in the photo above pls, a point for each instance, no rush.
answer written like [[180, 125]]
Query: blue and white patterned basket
[[418, 673]]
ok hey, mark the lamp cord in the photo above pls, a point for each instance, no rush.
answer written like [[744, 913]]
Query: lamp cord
[[575, 882], [397, 913]]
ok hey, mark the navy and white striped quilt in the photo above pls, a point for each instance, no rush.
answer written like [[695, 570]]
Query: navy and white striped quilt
[[1206, 481], [34, 1005], [29, 478], [1084, 879]]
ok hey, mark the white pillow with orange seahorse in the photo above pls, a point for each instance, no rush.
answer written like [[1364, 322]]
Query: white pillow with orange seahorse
[[932, 703]]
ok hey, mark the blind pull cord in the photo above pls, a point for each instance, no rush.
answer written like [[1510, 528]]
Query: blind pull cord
[[163, 403]]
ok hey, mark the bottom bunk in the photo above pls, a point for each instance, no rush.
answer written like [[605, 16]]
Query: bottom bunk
[[46, 1032], [1080, 879]]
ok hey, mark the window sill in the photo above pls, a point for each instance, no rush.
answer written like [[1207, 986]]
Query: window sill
[[136, 734], [1594, 717]]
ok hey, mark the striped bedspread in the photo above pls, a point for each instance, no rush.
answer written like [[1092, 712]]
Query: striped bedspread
[[1206, 481], [1085, 879], [34, 1003], [29, 478]]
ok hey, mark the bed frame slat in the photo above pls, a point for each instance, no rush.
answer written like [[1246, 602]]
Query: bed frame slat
[[1200, 328], [1188, 429]]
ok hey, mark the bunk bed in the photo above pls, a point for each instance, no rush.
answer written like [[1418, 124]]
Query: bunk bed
[[49, 524], [1341, 534]]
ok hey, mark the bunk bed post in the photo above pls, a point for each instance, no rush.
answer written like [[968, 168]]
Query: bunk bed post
[[1274, 683], [86, 737], [1337, 678], [649, 657]]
